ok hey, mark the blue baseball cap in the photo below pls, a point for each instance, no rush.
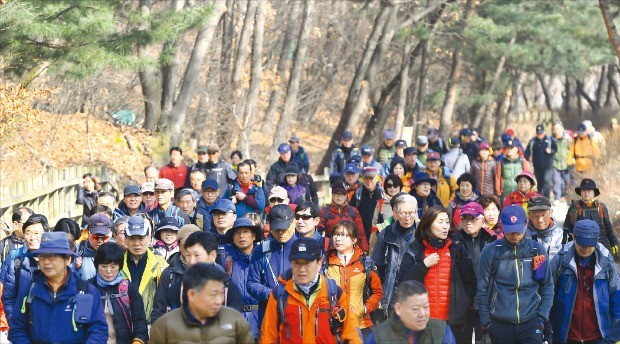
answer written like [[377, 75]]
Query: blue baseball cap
[[513, 219], [137, 225], [131, 190], [209, 184], [366, 150], [347, 135], [586, 232], [284, 148], [351, 168], [389, 134], [223, 205]]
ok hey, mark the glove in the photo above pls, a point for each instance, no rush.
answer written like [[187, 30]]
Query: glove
[[614, 250]]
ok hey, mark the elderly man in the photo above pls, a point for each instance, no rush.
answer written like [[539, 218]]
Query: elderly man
[[392, 244], [186, 200], [247, 195]]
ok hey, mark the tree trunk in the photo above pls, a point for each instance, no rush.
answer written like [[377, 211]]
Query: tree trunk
[[228, 30], [611, 75], [257, 71], [593, 104], [452, 89], [567, 96], [600, 86], [244, 39], [149, 82], [402, 92], [545, 91], [501, 116], [192, 74], [290, 102], [416, 115], [608, 18], [276, 95], [170, 71]]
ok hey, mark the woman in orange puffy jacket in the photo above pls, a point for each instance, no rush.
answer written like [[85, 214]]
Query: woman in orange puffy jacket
[[350, 268], [447, 271]]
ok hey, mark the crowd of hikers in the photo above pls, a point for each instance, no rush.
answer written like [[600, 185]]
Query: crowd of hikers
[[445, 241]]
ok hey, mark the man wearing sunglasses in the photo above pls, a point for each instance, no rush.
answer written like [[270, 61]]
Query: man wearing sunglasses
[[99, 232], [307, 218]]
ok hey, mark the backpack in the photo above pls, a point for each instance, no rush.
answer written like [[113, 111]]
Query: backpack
[[123, 298], [281, 296]]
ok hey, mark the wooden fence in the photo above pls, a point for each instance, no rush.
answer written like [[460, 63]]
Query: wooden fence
[[52, 194]]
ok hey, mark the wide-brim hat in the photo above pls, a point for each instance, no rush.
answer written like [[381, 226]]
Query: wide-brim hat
[[54, 243], [423, 177], [587, 184], [244, 223]]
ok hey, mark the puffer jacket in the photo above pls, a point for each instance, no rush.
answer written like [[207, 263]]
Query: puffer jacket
[[332, 214], [307, 320], [180, 326], [505, 174], [551, 237], [54, 324], [484, 173], [12, 280], [584, 153], [352, 279], [606, 291], [514, 295], [451, 283], [560, 159], [123, 315], [454, 207], [579, 210], [385, 154], [520, 199], [155, 265], [446, 185], [387, 255]]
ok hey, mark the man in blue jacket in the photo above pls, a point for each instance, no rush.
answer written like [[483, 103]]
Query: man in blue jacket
[[270, 258], [205, 203], [587, 298], [56, 306], [246, 194], [515, 285]]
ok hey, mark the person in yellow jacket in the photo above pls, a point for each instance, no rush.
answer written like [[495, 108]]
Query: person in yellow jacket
[[584, 152], [446, 184], [142, 267]]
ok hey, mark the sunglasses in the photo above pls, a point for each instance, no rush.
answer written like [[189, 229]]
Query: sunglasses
[[390, 185], [276, 199], [306, 217], [99, 237]]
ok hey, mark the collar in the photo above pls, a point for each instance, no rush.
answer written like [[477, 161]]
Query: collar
[[192, 320]]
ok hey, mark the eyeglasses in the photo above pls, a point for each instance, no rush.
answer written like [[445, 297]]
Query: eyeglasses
[[276, 199], [410, 214], [341, 235], [306, 217], [99, 237]]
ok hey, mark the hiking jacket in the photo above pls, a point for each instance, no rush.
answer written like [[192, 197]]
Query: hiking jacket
[[471, 149], [446, 185], [176, 174], [484, 173], [520, 199], [307, 320], [122, 210], [605, 291], [383, 211], [87, 270], [457, 162], [309, 184], [352, 279], [129, 320], [275, 175], [205, 210], [7, 245], [385, 154], [579, 210], [219, 171], [455, 205], [506, 172], [301, 158], [332, 214], [584, 153], [158, 214], [560, 159], [155, 265], [46, 319], [237, 266], [513, 296], [88, 200], [394, 331], [180, 326], [254, 201], [391, 248], [536, 152], [365, 201], [297, 194], [424, 203], [451, 283], [551, 237], [14, 280], [340, 156]]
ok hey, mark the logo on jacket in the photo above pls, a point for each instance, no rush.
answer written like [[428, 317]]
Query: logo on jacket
[[227, 326]]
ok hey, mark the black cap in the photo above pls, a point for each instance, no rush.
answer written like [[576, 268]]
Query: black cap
[[306, 249], [410, 150], [509, 144], [400, 143], [539, 203], [291, 169], [540, 129], [280, 217]]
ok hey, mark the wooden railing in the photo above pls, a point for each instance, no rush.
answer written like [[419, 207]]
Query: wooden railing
[[53, 193]]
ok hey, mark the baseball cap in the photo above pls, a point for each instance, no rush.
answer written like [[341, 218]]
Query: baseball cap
[[132, 190], [389, 134], [586, 232], [432, 156], [164, 184], [294, 139], [279, 192], [351, 168], [223, 205], [339, 187], [147, 187], [366, 150], [169, 223], [306, 249], [347, 135], [432, 132], [213, 148], [280, 217], [540, 129], [99, 224], [472, 209], [137, 225], [284, 148], [185, 231], [509, 143], [291, 169], [539, 203], [400, 143], [421, 140], [581, 128], [455, 141], [513, 219], [410, 150], [465, 132], [484, 145], [209, 184], [369, 172], [202, 149]]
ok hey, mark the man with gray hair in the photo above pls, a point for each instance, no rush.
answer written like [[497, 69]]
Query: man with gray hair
[[392, 244], [187, 199]]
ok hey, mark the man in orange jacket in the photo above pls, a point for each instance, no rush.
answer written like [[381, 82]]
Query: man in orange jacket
[[308, 307]]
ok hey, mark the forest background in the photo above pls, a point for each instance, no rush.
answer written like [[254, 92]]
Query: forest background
[[117, 82]]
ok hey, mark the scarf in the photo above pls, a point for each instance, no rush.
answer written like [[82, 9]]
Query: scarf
[[103, 283], [436, 243]]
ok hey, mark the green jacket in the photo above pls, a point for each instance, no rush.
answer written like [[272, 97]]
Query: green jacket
[[560, 159], [148, 285]]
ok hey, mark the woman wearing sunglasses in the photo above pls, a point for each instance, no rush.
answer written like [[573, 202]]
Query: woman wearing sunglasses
[[393, 185]]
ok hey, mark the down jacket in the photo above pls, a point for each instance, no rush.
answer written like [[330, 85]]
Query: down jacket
[[484, 173]]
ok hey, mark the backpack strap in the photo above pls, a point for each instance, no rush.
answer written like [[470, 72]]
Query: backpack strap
[[326, 212], [281, 297], [368, 268]]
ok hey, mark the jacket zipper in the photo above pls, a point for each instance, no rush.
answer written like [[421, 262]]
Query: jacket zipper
[[301, 321], [316, 323], [518, 284]]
